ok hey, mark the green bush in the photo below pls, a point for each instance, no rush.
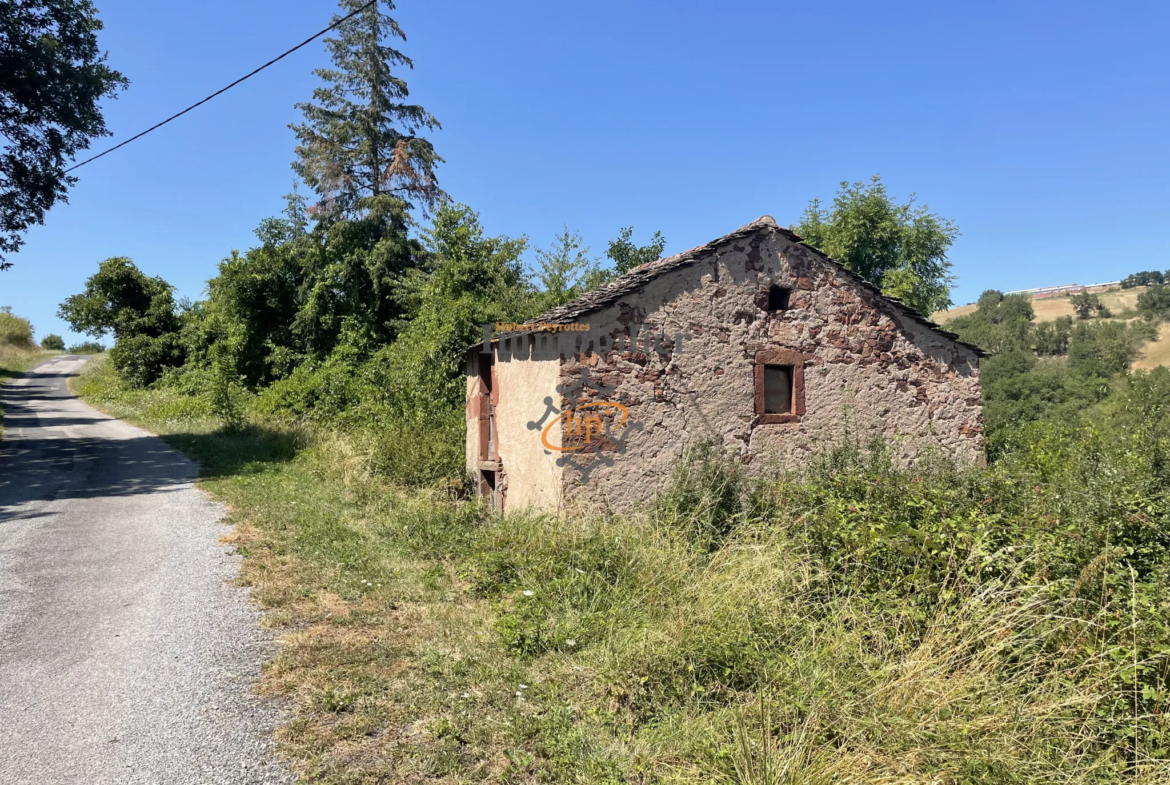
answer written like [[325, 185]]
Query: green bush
[[1106, 349], [87, 347], [138, 310], [53, 343], [15, 331], [1051, 338], [706, 496], [1154, 303], [142, 359]]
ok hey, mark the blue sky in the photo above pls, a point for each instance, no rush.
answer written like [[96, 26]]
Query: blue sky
[[1039, 127]]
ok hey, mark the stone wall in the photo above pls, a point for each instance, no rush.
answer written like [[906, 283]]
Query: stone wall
[[869, 369]]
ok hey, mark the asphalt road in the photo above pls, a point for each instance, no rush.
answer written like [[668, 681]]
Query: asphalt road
[[125, 654]]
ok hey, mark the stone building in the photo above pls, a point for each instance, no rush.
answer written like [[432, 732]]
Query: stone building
[[755, 341]]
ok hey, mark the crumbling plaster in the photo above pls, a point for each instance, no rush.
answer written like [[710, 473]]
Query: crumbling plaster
[[869, 370]]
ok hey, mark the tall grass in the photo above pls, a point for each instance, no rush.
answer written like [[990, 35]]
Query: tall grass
[[859, 623]]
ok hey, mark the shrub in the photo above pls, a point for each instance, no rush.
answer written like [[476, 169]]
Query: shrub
[[53, 343], [228, 399], [87, 347], [142, 359], [15, 331], [416, 452], [317, 392], [411, 446], [1154, 303]]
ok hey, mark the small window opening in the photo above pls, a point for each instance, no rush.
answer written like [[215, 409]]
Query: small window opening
[[778, 298], [777, 389]]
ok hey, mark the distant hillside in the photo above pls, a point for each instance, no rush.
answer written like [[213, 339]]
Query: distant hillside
[[1119, 301], [1122, 302], [18, 350]]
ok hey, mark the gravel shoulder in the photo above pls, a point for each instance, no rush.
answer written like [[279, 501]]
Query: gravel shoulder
[[126, 654]]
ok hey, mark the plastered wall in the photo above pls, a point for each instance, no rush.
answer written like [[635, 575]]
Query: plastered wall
[[532, 477]]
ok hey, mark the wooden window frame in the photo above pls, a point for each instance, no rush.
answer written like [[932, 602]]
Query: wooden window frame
[[793, 359]]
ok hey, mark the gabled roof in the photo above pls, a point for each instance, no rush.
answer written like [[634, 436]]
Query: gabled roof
[[616, 288]]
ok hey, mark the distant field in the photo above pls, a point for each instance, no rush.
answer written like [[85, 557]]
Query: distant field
[[1116, 300]]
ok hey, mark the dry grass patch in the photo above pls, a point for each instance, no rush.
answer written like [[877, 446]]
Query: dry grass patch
[[1156, 352]]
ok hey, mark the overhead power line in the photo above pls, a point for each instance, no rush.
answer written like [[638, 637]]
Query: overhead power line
[[277, 59]]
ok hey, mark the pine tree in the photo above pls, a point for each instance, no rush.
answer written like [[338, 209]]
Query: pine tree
[[360, 137]]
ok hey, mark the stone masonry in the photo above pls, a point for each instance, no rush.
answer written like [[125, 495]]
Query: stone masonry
[[862, 365]]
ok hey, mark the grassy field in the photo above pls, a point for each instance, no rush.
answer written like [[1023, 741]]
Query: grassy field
[[426, 639], [14, 360]]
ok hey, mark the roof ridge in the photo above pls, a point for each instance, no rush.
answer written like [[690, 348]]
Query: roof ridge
[[634, 279]]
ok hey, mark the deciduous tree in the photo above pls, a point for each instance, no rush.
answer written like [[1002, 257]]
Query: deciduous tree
[[901, 248], [1154, 303], [53, 343], [626, 255], [52, 76], [140, 313], [565, 269], [1087, 305]]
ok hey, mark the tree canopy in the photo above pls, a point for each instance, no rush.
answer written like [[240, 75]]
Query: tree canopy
[[626, 255], [140, 313], [1154, 303], [901, 248], [565, 269], [1144, 278], [1087, 305], [53, 343], [52, 76], [122, 300], [361, 137]]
